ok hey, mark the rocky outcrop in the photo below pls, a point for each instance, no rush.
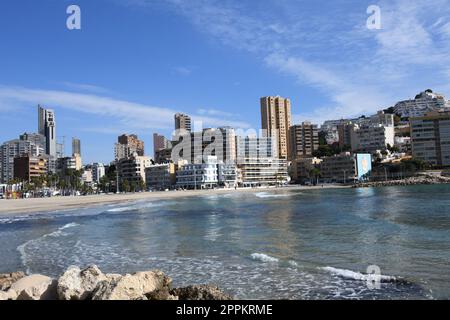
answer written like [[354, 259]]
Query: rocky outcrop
[[35, 287], [6, 280], [92, 284], [426, 180], [131, 287], [77, 284], [205, 292]]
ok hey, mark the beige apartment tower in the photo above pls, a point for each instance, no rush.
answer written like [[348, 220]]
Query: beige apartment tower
[[276, 121], [182, 122]]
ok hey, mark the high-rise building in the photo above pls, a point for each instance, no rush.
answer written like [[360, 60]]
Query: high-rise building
[[430, 138], [47, 128], [276, 121], [37, 138], [127, 146], [182, 122], [13, 149], [304, 140], [76, 146]]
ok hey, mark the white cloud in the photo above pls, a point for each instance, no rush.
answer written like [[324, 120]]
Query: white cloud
[[360, 70], [133, 116], [84, 87], [184, 71]]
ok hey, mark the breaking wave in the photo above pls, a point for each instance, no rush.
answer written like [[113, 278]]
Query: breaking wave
[[264, 195], [57, 233], [264, 257], [352, 275]]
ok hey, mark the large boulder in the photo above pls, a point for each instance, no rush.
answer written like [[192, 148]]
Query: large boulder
[[8, 295], [6, 280], [77, 284], [203, 292], [131, 287], [35, 287]]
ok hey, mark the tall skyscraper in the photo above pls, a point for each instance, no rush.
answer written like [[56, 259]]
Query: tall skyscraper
[[76, 146], [276, 121], [182, 122], [47, 127]]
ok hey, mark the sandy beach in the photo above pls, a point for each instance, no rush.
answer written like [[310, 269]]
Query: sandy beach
[[42, 205]]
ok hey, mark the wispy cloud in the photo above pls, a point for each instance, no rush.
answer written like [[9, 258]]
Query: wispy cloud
[[83, 87], [184, 71], [358, 70], [216, 113], [131, 115]]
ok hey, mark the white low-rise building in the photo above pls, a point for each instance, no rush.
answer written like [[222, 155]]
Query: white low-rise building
[[199, 175]]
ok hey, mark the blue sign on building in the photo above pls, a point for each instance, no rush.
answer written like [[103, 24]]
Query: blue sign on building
[[364, 165]]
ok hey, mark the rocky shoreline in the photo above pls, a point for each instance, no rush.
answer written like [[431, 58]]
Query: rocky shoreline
[[92, 284], [419, 180]]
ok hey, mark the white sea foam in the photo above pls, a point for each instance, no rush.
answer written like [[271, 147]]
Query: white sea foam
[[263, 257], [271, 195], [352, 275], [134, 207], [293, 264], [57, 233]]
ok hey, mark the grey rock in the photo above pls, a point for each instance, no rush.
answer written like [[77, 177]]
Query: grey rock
[[76, 284], [131, 287], [6, 280], [203, 292]]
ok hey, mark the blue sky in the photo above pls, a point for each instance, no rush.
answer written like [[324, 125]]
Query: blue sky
[[136, 62]]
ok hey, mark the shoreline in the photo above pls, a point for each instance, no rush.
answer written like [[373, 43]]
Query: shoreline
[[22, 207]]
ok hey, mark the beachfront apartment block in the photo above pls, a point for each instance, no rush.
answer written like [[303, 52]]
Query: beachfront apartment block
[[346, 167], [256, 172], [276, 121], [132, 169], [301, 170], [26, 168], [430, 138], [160, 176], [198, 175]]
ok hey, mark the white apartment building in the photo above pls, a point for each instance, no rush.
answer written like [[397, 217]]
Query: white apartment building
[[98, 172], [256, 172], [372, 137], [199, 175], [423, 103]]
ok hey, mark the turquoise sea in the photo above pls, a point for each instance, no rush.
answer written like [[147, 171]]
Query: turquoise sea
[[278, 244]]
